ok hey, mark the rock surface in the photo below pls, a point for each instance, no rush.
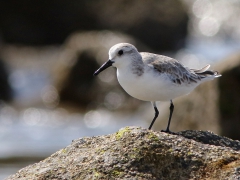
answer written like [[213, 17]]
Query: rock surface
[[136, 153]]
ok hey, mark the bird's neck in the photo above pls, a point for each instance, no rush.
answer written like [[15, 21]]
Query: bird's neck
[[137, 66], [133, 66]]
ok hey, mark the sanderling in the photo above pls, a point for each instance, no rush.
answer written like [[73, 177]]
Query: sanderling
[[152, 77]]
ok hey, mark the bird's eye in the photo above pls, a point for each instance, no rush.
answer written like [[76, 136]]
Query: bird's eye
[[120, 52]]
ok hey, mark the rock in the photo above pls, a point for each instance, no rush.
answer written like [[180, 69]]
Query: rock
[[228, 96], [161, 25], [67, 71], [136, 153], [78, 86], [6, 92], [69, 68]]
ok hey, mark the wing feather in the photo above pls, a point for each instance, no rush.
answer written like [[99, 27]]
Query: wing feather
[[202, 69], [177, 72]]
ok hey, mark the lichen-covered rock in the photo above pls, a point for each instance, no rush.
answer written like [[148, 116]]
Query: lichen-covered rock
[[136, 153]]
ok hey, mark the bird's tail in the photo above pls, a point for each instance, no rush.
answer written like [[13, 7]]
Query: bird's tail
[[204, 73]]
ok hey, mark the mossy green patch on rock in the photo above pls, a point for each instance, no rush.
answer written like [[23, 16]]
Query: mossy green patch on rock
[[115, 173], [97, 175], [100, 151], [153, 136], [121, 132], [64, 150]]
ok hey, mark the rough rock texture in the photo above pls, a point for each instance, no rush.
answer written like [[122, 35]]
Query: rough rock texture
[[135, 153]]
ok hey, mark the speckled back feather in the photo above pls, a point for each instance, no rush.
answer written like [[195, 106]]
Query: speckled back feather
[[178, 73]]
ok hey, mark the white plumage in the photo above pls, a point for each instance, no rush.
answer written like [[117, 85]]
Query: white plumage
[[152, 77]]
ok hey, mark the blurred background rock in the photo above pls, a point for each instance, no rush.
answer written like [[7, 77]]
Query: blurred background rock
[[6, 90], [44, 22], [50, 49]]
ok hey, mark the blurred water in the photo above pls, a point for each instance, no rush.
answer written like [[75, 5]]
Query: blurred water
[[36, 135], [40, 132]]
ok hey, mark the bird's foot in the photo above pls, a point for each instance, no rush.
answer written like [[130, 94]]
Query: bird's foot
[[168, 131]]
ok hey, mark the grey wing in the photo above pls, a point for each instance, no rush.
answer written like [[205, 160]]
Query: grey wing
[[174, 69]]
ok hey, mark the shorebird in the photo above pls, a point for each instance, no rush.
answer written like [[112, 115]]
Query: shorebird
[[152, 77]]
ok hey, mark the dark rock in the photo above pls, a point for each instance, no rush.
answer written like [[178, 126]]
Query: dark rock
[[79, 85], [229, 99], [207, 137], [43, 22], [135, 153], [162, 25], [5, 88]]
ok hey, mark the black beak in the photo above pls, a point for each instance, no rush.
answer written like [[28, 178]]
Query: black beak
[[103, 67]]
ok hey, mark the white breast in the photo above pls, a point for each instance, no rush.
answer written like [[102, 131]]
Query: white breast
[[151, 86]]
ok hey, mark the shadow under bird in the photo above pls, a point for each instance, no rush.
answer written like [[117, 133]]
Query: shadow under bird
[[153, 77]]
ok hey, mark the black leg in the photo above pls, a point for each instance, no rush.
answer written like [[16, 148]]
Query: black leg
[[170, 117], [155, 117]]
